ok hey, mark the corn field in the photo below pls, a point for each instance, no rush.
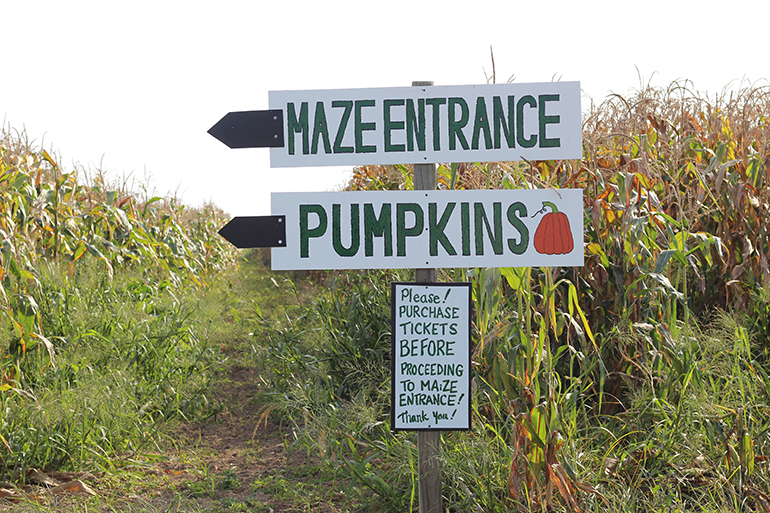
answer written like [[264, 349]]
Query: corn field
[[64, 243], [643, 375]]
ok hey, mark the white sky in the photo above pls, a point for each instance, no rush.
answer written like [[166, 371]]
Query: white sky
[[133, 87]]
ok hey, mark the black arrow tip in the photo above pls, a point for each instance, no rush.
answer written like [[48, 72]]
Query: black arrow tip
[[250, 129], [256, 232]]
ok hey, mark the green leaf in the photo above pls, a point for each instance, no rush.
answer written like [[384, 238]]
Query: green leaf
[[80, 250], [667, 285], [663, 259]]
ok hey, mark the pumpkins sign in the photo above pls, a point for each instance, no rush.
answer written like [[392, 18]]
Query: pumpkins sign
[[429, 229]]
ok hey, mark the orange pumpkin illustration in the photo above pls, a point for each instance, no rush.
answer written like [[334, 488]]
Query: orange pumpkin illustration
[[553, 235]]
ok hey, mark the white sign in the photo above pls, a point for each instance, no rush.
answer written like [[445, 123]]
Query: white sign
[[430, 229], [430, 383], [407, 125]]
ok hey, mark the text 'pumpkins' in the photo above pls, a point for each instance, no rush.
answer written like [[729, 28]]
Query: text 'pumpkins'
[[553, 235]]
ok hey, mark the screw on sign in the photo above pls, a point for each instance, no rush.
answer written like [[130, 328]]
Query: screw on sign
[[553, 235]]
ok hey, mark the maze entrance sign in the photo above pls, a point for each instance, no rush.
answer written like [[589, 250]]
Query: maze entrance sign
[[406, 125]]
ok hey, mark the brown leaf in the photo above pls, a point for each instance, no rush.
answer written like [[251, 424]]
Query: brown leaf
[[64, 477], [693, 123], [762, 499], [7, 493], [39, 478], [76, 486], [606, 163], [610, 466], [563, 483]]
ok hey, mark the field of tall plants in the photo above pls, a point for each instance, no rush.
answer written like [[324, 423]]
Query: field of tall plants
[[100, 287], [638, 382]]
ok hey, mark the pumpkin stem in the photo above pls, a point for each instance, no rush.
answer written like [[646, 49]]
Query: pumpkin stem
[[554, 209]]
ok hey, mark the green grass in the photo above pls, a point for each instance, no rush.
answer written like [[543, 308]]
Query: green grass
[[129, 358], [684, 436]]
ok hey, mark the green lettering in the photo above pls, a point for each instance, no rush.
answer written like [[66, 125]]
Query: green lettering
[[415, 124], [481, 221], [377, 227], [320, 129], [520, 247], [481, 124], [547, 120], [525, 100], [499, 121], [456, 125], [355, 231], [306, 233], [297, 125], [361, 127], [435, 103], [390, 125], [402, 232], [348, 106], [436, 229]]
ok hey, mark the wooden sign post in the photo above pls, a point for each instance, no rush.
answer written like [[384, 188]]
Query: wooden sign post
[[428, 442]]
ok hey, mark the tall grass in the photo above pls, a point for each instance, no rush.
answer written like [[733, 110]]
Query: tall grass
[[99, 341]]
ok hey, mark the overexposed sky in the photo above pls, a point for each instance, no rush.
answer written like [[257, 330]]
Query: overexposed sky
[[133, 87]]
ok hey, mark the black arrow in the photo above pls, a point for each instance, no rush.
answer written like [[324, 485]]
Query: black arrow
[[256, 232], [250, 129]]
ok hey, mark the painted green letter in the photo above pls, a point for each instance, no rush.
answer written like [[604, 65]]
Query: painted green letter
[[525, 100], [348, 106], [520, 247], [547, 120], [306, 233], [355, 231], [402, 232], [377, 227], [500, 122], [436, 229], [481, 124], [361, 127], [415, 124], [297, 125], [456, 125], [481, 221], [320, 130], [390, 125]]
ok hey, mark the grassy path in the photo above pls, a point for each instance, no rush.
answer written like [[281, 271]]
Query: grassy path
[[239, 459]]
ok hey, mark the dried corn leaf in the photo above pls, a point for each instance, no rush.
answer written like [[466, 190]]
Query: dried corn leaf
[[76, 486], [7, 493], [36, 477]]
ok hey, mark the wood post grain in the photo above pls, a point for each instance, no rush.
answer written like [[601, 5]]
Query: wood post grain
[[428, 442]]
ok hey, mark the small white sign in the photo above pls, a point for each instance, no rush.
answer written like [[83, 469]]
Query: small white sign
[[430, 384], [408, 125], [430, 229]]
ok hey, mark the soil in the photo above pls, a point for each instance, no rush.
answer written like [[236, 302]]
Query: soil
[[244, 443]]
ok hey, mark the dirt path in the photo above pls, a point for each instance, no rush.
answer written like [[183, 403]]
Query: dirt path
[[243, 455], [234, 463]]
